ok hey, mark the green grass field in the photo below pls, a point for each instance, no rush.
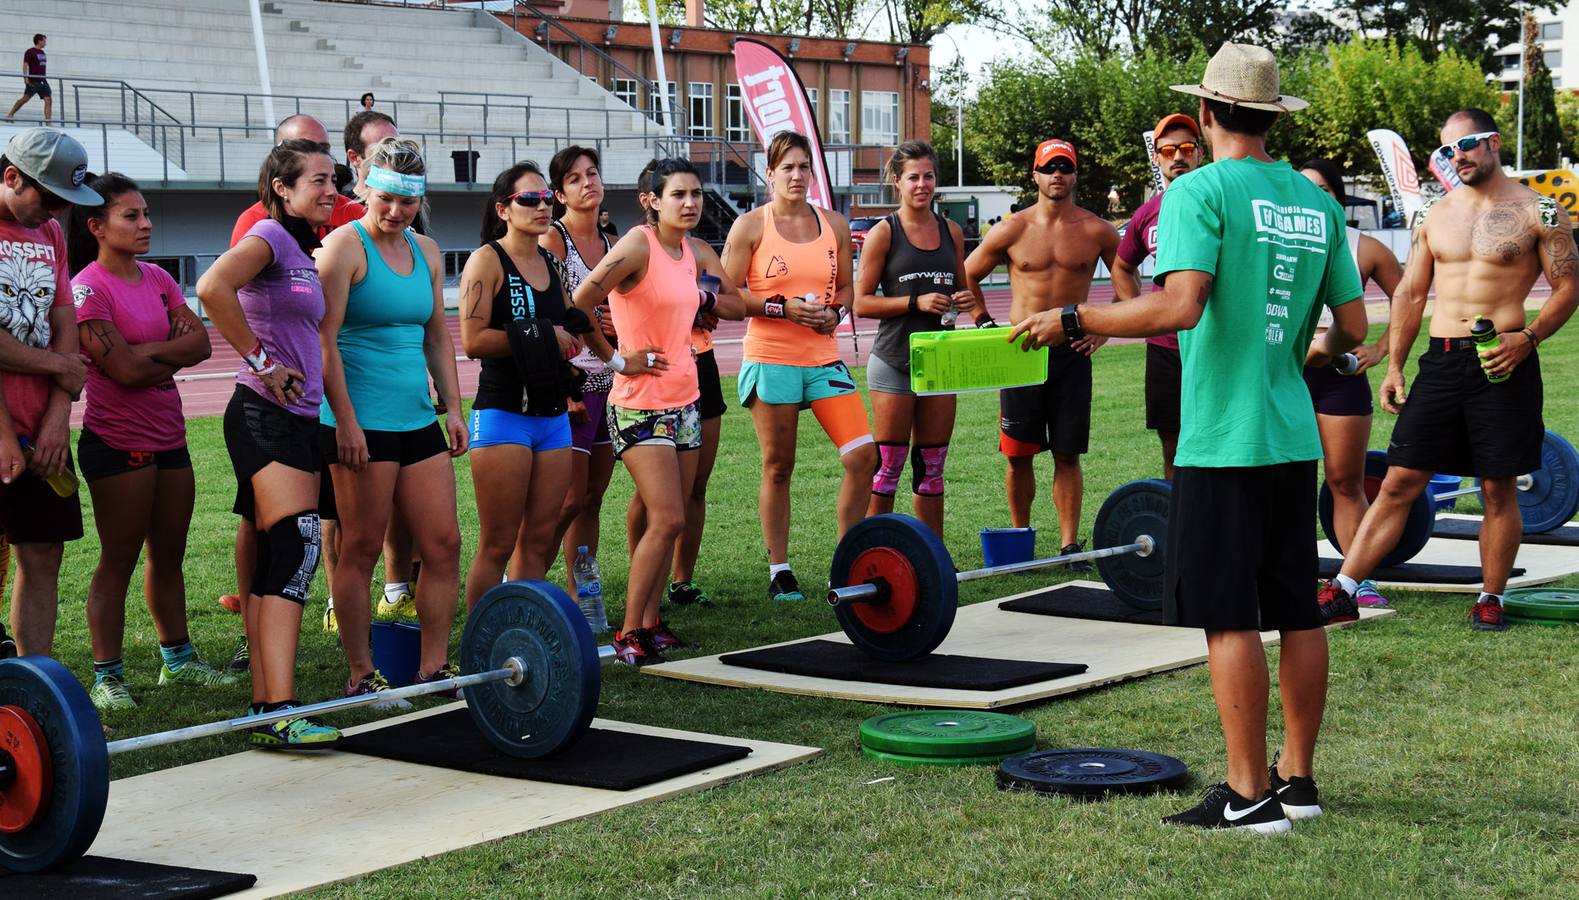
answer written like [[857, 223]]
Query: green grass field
[[1447, 762]]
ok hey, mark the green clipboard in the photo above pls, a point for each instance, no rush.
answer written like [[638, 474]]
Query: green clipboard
[[977, 359]]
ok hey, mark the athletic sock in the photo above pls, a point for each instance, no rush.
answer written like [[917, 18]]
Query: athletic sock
[[1347, 584], [393, 590], [1493, 598], [110, 668], [775, 568], [176, 653]]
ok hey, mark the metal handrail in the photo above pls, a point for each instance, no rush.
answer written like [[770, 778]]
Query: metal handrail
[[155, 131]]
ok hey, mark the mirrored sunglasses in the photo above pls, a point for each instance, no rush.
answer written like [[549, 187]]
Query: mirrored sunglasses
[[1062, 166], [1464, 144], [531, 199], [1184, 148]]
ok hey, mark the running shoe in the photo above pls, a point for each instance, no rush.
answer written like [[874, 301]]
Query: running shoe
[[1079, 565], [110, 692], [372, 683], [304, 733], [1486, 615], [686, 593], [785, 587], [1368, 596], [230, 602], [1220, 807], [634, 648], [7, 646], [330, 624], [196, 671], [241, 660], [402, 609], [662, 640], [1335, 605], [448, 670], [1297, 794]]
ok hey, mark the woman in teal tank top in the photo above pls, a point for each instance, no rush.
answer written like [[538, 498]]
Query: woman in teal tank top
[[383, 334]]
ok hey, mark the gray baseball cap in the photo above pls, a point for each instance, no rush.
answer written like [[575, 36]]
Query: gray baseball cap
[[55, 160]]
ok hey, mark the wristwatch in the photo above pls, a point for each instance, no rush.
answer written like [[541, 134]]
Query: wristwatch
[[1071, 323]]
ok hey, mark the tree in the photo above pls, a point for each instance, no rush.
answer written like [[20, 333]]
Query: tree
[[1543, 138], [1176, 28], [919, 21], [778, 16], [1474, 29]]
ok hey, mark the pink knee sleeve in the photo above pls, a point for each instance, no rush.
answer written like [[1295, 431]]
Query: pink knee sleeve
[[890, 465], [926, 470]]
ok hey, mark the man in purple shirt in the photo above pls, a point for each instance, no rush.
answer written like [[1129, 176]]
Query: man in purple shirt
[[34, 80], [1178, 150]]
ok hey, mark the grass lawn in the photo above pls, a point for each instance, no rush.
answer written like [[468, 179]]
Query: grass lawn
[[1447, 762]]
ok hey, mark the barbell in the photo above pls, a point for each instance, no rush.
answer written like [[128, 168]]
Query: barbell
[[1548, 498], [532, 689], [894, 589]]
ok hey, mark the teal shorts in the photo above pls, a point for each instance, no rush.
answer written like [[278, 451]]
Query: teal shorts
[[801, 385]]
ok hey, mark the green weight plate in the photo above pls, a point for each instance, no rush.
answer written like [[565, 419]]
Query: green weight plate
[[1520, 620], [1534, 603], [900, 759], [947, 732]]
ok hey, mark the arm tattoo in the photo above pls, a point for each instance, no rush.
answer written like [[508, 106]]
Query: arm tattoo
[[104, 333], [1204, 292], [603, 270], [1562, 258], [473, 300], [1503, 231]]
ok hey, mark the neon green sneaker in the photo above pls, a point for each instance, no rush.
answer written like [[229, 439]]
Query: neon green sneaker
[[305, 733], [404, 609], [110, 692], [195, 671]]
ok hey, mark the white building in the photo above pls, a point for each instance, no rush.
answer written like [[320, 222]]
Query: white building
[[1557, 30]]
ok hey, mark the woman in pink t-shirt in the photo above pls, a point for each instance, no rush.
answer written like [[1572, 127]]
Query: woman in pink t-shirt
[[650, 281], [136, 329]]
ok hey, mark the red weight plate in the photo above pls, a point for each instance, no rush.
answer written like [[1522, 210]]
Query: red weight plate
[[891, 566], [27, 795], [1373, 487]]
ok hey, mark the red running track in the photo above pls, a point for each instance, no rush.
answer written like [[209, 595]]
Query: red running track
[[205, 389]]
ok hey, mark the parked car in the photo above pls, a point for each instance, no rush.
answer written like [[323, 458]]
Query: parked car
[[859, 226]]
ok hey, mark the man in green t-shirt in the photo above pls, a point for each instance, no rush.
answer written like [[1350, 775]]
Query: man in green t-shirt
[[1256, 250]]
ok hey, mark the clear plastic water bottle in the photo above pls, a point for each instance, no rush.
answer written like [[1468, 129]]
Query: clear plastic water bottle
[[589, 590]]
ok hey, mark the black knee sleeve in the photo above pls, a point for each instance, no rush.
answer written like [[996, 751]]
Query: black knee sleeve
[[288, 557]]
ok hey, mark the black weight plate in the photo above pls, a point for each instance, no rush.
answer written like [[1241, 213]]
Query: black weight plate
[[1417, 528], [1090, 772], [554, 704], [937, 590], [1552, 498], [47, 691], [1134, 509]]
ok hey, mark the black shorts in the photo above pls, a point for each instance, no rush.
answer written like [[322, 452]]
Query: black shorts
[[257, 433], [37, 89], [711, 404], [1456, 421], [404, 447], [1241, 551], [1336, 394], [98, 460], [1164, 375], [1054, 415], [32, 513]]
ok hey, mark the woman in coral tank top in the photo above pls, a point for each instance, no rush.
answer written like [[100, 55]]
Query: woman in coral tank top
[[650, 282], [794, 262]]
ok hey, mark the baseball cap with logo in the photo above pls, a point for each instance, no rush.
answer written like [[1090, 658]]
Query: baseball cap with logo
[[1051, 149], [1176, 120], [55, 160]]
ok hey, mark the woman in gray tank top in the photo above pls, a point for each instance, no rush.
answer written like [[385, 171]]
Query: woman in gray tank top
[[919, 287]]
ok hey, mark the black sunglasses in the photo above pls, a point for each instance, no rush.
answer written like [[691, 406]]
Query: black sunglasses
[[531, 199], [1062, 166]]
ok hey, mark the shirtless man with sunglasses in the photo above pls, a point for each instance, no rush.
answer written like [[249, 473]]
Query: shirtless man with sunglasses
[[1052, 250], [1483, 246]]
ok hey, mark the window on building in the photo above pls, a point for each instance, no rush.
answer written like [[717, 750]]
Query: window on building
[[625, 89], [1554, 59], [701, 94], [879, 117], [1552, 31], [674, 100], [811, 96], [735, 114], [838, 116]]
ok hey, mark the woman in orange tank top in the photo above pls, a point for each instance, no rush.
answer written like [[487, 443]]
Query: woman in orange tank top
[[794, 262], [650, 281]]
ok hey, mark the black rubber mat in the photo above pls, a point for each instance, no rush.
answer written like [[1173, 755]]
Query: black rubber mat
[[831, 659], [1080, 602], [93, 877], [612, 760], [1469, 529], [1419, 572]]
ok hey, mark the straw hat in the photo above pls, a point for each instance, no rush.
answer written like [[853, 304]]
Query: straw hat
[[1243, 75]]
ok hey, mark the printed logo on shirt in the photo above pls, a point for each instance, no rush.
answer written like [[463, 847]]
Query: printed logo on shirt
[[1290, 226], [1151, 239], [80, 294], [776, 268], [27, 291], [304, 281]]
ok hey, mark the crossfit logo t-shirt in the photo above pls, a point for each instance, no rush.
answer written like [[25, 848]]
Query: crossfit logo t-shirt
[[1276, 247], [33, 281]]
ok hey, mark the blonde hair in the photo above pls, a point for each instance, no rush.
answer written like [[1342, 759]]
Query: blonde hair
[[402, 155]]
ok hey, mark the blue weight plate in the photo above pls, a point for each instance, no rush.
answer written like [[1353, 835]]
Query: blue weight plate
[[1091, 772], [554, 704], [1552, 499], [1417, 528], [923, 617], [1134, 509], [47, 691]]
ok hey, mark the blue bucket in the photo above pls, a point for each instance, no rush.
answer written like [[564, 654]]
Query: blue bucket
[[397, 650], [1441, 484], [1005, 546]]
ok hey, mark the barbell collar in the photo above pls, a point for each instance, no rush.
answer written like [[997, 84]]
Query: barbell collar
[[1523, 483], [1144, 546]]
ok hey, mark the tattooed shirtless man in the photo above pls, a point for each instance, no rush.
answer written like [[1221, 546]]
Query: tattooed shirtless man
[[1482, 246]]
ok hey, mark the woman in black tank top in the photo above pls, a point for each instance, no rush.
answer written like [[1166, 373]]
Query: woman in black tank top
[[918, 287]]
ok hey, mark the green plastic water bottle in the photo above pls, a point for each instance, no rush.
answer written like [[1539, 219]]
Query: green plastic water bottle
[[1484, 331]]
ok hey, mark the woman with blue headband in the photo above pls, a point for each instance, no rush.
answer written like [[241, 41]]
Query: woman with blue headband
[[383, 333]]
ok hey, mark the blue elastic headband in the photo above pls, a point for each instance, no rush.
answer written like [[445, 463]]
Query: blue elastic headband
[[391, 182]]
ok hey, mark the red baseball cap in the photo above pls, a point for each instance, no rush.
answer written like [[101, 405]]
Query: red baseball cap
[[1174, 121], [1050, 149]]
